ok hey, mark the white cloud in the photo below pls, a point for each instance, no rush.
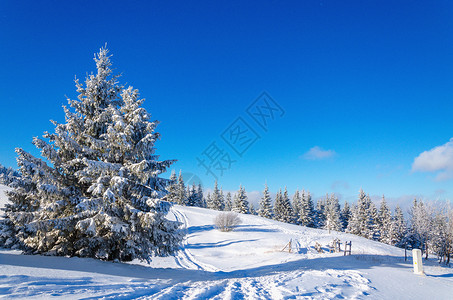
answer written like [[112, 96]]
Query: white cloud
[[438, 159], [317, 153]]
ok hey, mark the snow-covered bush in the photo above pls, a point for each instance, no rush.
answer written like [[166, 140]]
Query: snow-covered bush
[[101, 194], [227, 221]]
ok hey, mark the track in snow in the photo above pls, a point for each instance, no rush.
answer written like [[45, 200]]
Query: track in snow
[[184, 258], [319, 285]]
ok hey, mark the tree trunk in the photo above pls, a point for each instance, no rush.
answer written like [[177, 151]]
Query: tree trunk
[[447, 260]]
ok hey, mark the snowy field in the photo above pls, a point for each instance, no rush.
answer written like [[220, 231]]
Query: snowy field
[[244, 264]]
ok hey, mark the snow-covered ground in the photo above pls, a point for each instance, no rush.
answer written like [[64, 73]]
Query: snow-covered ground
[[244, 264]]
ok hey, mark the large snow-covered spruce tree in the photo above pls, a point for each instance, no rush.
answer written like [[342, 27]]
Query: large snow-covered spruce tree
[[101, 195]]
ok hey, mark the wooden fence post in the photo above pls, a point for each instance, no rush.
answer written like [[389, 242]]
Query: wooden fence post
[[346, 251]]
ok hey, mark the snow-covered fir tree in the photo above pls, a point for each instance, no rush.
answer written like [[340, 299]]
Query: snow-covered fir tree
[[297, 206], [181, 196], [265, 209], [228, 202], [207, 200], [289, 207], [222, 199], [398, 228], [192, 196], [189, 195], [345, 215], [320, 214], [216, 201], [361, 222], [172, 188], [283, 210], [332, 213], [241, 205], [306, 214], [100, 196], [373, 217], [252, 209], [384, 222], [200, 197], [278, 206]]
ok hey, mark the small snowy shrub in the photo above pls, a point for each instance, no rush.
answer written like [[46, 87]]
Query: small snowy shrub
[[227, 221]]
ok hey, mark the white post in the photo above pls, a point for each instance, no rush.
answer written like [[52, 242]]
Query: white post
[[417, 261]]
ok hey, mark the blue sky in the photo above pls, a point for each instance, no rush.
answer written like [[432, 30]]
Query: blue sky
[[364, 87]]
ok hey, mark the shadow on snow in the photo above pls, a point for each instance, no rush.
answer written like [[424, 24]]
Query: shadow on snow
[[177, 275]]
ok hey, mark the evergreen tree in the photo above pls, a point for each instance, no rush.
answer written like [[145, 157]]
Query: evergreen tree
[[265, 209], [320, 215], [384, 222], [241, 204], [279, 206], [181, 196], [297, 206], [283, 210], [100, 196], [361, 222], [208, 200], [346, 214], [398, 228], [289, 208], [332, 213], [306, 210], [228, 202], [172, 188], [192, 196], [252, 209], [222, 199], [373, 217], [200, 198], [216, 202], [189, 195]]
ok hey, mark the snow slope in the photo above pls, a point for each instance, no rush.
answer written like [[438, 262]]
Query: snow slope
[[244, 264]]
